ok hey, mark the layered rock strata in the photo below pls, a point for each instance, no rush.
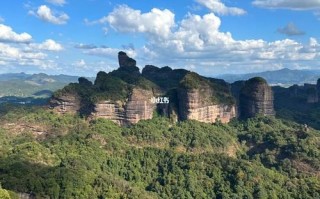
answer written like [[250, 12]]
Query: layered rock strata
[[138, 107], [196, 104], [256, 98], [66, 103]]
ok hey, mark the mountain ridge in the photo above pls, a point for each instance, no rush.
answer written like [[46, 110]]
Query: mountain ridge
[[283, 77]]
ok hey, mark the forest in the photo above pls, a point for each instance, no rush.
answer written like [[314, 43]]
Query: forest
[[46, 155]]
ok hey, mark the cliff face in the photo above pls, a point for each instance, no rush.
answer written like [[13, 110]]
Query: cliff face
[[124, 96], [138, 107], [256, 97], [196, 104], [205, 100], [66, 103], [113, 111]]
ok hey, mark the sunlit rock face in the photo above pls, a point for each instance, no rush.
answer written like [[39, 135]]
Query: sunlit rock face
[[138, 107], [196, 104], [66, 103], [107, 109], [256, 98]]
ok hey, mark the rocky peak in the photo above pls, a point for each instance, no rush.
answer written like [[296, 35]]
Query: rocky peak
[[125, 61], [256, 97], [199, 100]]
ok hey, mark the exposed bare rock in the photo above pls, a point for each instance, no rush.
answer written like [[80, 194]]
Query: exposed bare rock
[[125, 61], [26, 196], [113, 111], [66, 103], [138, 107], [256, 97], [196, 104]]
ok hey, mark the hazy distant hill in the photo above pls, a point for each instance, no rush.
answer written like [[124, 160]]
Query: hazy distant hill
[[285, 77], [32, 85]]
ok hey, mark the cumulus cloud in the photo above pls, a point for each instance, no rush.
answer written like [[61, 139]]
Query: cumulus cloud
[[196, 42], [80, 64], [49, 45], [290, 30], [126, 19], [9, 53], [15, 54], [57, 2], [46, 14], [218, 7], [288, 4], [8, 35], [108, 52]]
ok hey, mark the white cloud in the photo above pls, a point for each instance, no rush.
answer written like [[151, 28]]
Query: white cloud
[[31, 55], [49, 45], [126, 19], [9, 53], [196, 42], [80, 64], [8, 35], [290, 30], [57, 2], [46, 14], [288, 4], [218, 7], [108, 52]]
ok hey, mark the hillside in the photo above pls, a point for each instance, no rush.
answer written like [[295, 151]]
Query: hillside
[[284, 77], [127, 96], [107, 139], [27, 88], [46, 155]]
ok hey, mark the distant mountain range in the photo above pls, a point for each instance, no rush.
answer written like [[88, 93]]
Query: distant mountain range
[[284, 77], [32, 85]]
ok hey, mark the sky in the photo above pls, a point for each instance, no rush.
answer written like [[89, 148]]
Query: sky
[[211, 37]]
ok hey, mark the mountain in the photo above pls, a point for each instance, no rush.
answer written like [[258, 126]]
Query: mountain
[[127, 96], [284, 77], [118, 137], [21, 87]]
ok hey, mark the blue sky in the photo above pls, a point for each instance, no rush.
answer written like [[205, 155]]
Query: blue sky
[[210, 37]]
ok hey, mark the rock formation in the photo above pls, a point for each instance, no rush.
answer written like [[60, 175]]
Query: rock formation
[[66, 103], [125, 61], [113, 111], [256, 98], [196, 104], [138, 107], [198, 101], [124, 95]]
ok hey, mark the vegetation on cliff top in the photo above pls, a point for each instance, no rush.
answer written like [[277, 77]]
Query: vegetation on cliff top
[[221, 93], [261, 157]]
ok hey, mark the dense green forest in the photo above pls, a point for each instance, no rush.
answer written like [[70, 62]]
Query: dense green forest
[[63, 156]]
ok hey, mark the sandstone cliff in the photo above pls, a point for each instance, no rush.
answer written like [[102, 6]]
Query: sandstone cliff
[[66, 103], [110, 110], [138, 107], [124, 95], [199, 101], [256, 98], [195, 104]]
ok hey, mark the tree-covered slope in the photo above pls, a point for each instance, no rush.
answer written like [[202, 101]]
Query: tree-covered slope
[[52, 156]]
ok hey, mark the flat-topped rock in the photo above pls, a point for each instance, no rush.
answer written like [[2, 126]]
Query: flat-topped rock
[[256, 98]]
